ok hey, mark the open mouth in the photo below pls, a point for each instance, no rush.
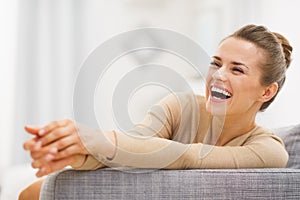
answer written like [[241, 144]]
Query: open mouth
[[219, 93]]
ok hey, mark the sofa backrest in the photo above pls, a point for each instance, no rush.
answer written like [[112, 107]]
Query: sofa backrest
[[291, 138]]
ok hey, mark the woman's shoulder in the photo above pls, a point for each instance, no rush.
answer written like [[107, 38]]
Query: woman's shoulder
[[263, 133], [268, 146]]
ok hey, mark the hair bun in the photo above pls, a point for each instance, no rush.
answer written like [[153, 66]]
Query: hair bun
[[287, 48]]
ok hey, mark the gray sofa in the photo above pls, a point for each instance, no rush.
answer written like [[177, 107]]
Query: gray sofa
[[183, 184]]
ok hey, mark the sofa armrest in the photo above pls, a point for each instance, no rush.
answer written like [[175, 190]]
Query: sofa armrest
[[173, 184]]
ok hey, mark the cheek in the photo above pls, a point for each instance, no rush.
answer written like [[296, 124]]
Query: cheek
[[252, 91], [206, 93], [209, 76], [208, 81]]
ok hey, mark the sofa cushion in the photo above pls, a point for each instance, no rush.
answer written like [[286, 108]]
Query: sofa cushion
[[291, 138]]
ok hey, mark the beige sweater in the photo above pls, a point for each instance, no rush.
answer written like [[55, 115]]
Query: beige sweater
[[184, 139]]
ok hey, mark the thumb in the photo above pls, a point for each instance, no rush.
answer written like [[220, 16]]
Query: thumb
[[54, 166], [32, 129]]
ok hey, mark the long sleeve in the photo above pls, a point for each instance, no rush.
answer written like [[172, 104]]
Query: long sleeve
[[261, 151]]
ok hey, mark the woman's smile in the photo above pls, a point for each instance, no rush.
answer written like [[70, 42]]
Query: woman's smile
[[219, 94]]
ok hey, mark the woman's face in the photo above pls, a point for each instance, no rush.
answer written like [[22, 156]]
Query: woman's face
[[233, 86]]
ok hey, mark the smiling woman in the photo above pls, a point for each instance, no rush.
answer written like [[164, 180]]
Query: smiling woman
[[186, 130]]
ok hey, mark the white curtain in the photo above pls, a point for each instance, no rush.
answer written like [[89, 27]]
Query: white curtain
[[42, 55], [48, 58], [8, 44]]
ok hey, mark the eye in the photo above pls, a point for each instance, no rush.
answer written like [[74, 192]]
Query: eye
[[238, 70], [213, 63]]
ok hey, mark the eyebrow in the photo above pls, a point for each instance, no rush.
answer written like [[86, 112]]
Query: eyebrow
[[233, 62]]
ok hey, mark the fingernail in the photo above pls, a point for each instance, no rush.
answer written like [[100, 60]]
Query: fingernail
[[38, 145], [41, 172], [41, 132], [36, 164], [49, 157], [53, 150]]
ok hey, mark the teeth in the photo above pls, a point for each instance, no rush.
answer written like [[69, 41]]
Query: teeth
[[214, 89]]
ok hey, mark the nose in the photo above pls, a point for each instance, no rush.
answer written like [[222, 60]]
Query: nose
[[220, 74]]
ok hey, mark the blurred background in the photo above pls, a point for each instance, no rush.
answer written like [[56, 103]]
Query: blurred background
[[43, 44]]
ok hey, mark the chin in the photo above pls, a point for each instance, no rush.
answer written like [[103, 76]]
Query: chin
[[214, 109]]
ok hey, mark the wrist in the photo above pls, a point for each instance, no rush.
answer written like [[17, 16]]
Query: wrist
[[79, 161]]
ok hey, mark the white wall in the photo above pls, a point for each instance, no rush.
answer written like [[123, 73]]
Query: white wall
[[282, 16]]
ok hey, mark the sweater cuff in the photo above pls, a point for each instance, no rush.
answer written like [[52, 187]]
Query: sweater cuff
[[98, 143], [90, 163]]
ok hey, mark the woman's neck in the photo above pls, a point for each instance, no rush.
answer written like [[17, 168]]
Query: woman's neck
[[226, 128]]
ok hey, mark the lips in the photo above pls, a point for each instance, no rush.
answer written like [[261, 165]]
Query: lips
[[220, 93]]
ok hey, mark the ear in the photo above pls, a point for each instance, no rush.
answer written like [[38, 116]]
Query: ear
[[269, 92]]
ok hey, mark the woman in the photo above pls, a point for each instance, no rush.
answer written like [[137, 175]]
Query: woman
[[218, 131]]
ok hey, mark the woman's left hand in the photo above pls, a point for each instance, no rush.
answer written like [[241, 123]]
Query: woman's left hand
[[61, 136], [54, 145]]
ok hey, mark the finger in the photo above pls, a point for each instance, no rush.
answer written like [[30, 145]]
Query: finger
[[64, 142], [51, 126], [69, 151], [39, 154], [32, 145], [54, 147], [32, 129], [43, 161], [60, 149], [57, 134], [54, 166]]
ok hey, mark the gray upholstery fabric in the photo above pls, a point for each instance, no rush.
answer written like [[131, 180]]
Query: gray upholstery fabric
[[174, 184], [291, 138]]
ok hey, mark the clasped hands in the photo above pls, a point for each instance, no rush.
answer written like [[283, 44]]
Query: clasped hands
[[55, 146]]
